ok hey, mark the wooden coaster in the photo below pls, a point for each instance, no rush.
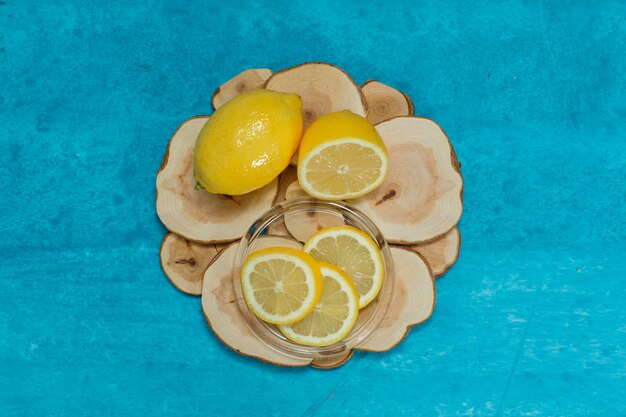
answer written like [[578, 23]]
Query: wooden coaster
[[440, 254], [421, 198], [385, 102], [287, 177], [184, 262], [248, 80], [413, 302]]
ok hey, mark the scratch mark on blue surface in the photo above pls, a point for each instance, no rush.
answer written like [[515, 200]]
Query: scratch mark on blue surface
[[520, 348], [323, 399], [515, 249], [312, 410], [544, 30]]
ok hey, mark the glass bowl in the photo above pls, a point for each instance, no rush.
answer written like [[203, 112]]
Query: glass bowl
[[301, 218]]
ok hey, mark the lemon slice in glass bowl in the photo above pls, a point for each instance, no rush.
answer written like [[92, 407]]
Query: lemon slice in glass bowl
[[354, 252], [281, 285], [334, 315]]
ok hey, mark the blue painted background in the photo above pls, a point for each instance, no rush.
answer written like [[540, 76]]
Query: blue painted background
[[530, 322]]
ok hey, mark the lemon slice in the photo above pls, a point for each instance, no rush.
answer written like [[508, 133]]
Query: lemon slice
[[341, 156], [281, 285], [334, 315], [353, 251]]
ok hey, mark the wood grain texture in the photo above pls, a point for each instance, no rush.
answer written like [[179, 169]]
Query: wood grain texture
[[324, 88], [288, 176], [251, 79], [184, 262], [441, 253], [304, 225], [413, 301], [385, 102], [422, 196]]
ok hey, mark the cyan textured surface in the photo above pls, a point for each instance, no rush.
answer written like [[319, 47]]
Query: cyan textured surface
[[530, 322]]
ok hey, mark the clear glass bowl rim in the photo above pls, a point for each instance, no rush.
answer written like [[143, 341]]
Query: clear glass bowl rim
[[380, 305]]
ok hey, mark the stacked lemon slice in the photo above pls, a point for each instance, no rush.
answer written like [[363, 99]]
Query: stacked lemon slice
[[314, 295]]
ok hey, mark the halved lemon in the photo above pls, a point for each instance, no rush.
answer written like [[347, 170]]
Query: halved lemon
[[334, 315], [354, 252], [281, 285], [341, 156]]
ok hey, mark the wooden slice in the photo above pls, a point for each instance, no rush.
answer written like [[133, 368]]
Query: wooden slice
[[194, 213], [303, 225], [286, 178], [412, 304], [324, 88], [251, 79], [441, 253], [289, 175], [421, 198], [222, 313], [184, 262], [385, 102]]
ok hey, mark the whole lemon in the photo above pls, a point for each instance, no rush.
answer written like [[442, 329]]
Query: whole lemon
[[248, 142]]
